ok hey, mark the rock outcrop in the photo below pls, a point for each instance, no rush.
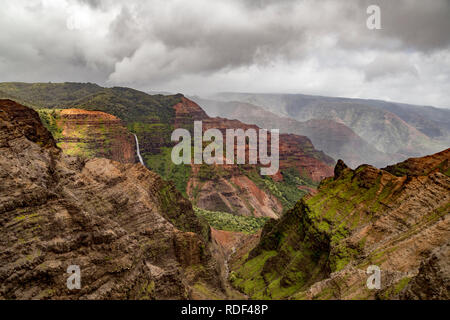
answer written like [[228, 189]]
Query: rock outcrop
[[433, 279], [322, 248], [131, 233], [91, 134]]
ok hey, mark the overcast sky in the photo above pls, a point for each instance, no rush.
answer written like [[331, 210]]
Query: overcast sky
[[205, 46]]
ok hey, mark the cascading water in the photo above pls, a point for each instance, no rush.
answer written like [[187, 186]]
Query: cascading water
[[138, 151]]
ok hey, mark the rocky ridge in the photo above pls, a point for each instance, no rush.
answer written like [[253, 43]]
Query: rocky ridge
[[131, 233], [152, 118], [321, 249]]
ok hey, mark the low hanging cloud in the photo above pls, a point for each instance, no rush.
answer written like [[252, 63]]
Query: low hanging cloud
[[203, 46], [389, 66]]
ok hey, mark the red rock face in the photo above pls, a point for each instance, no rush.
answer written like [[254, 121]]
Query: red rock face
[[295, 151], [131, 233], [236, 192], [187, 111], [95, 134], [13, 113]]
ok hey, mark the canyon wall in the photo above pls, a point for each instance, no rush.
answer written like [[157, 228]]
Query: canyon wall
[[396, 219], [131, 233]]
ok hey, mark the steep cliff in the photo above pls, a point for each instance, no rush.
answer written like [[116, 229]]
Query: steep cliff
[[90, 134], [322, 248], [131, 233]]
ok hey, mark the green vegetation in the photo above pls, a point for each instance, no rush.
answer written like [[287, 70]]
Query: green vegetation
[[403, 169], [309, 240], [230, 222], [46, 95], [49, 118], [395, 289], [26, 216], [343, 205], [161, 163], [125, 103], [137, 109], [205, 291], [207, 172], [179, 212], [287, 190], [80, 143], [249, 278]]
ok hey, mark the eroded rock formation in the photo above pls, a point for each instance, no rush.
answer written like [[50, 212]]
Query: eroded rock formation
[[321, 249], [95, 134], [132, 235], [228, 187]]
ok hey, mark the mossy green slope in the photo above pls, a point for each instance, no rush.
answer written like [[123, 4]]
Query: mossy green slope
[[230, 222], [311, 241]]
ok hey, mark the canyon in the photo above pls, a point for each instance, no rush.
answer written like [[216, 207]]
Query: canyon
[[334, 138], [240, 188], [75, 192], [130, 232], [112, 115]]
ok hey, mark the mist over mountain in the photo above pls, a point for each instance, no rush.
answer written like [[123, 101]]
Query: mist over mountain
[[397, 130], [334, 138], [317, 47]]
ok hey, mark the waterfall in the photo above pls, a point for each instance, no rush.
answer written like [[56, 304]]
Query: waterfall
[[138, 151]]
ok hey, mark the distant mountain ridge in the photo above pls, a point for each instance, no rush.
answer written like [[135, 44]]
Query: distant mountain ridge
[[334, 138], [397, 129]]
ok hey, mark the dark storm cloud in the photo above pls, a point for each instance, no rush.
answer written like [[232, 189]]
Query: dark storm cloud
[[415, 25], [259, 31], [208, 45], [422, 25]]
